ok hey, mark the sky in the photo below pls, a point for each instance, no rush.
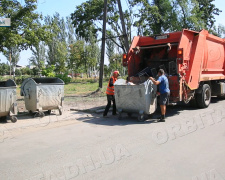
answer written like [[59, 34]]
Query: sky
[[66, 7]]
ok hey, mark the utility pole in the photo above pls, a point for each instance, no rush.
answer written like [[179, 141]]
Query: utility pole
[[103, 45], [10, 62], [123, 26]]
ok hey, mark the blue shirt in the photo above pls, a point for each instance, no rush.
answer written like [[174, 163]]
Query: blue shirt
[[164, 84]]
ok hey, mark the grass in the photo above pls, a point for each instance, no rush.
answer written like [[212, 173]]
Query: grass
[[76, 89], [82, 88]]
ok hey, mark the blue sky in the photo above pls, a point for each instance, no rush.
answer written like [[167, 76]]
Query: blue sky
[[66, 7]]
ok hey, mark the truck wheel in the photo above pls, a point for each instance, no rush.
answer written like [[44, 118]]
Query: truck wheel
[[204, 98]]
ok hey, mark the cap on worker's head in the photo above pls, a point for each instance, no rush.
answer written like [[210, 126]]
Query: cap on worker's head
[[116, 72]]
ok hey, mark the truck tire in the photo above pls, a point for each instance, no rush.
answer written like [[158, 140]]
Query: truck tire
[[204, 98]]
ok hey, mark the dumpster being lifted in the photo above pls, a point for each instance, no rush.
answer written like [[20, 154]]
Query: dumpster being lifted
[[8, 105], [43, 94], [138, 98]]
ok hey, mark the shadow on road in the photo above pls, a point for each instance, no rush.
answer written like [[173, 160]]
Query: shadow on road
[[126, 120], [113, 120], [132, 120]]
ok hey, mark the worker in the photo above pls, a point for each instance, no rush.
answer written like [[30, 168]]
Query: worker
[[163, 91], [128, 82], [110, 94]]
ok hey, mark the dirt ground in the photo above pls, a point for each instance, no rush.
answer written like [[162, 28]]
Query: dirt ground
[[87, 104]]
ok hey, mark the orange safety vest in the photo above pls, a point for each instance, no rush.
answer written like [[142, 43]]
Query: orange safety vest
[[110, 90]]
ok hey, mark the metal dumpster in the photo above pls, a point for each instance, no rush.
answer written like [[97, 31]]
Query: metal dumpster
[[8, 105], [43, 94], [139, 99]]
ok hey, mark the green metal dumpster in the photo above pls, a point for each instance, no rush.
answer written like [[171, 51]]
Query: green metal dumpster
[[43, 94], [8, 105]]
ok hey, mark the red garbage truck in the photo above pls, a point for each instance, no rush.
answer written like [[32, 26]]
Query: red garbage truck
[[193, 61]]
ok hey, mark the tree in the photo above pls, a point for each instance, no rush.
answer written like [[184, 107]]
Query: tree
[[89, 15], [110, 48], [38, 59], [208, 10], [13, 56], [92, 52], [219, 31], [154, 18], [113, 57], [25, 29], [161, 16], [76, 57], [71, 31], [57, 52], [4, 69]]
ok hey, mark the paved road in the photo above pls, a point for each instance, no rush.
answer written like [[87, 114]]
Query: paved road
[[190, 145]]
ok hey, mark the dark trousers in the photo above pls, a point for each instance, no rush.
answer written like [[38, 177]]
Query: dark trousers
[[110, 98]]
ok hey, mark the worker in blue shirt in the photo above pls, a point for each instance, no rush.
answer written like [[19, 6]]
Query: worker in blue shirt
[[164, 92]]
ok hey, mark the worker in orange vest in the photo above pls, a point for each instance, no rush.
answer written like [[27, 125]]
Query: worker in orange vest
[[110, 94]]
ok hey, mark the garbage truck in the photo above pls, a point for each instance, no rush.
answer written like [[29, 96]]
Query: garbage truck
[[193, 62]]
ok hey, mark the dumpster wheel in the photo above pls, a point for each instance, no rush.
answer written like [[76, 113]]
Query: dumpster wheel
[[141, 118], [13, 119], [31, 113], [49, 112], [39, 114], [60, 111]]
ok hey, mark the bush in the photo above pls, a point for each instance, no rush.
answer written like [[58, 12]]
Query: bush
[[20, 79], [64, 77], [35, 71], [49, 71], [18, 72]]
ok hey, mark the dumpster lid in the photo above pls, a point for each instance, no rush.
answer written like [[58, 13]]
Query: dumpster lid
[[48, 80], [42, 81], [8, 83]]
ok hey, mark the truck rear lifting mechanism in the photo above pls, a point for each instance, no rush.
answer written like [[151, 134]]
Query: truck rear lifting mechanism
[[193, 62]]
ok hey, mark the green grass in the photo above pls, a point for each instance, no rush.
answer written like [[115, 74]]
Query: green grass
[[76, 89], [82, 88]]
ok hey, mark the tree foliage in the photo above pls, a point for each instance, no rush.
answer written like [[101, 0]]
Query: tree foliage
[[57, 52], [89, 15], [38, 57], [25, 28], [14, 53], [160, 16], [4, 69]]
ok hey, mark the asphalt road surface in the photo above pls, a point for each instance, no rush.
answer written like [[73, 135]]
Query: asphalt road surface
[[190, 145]]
